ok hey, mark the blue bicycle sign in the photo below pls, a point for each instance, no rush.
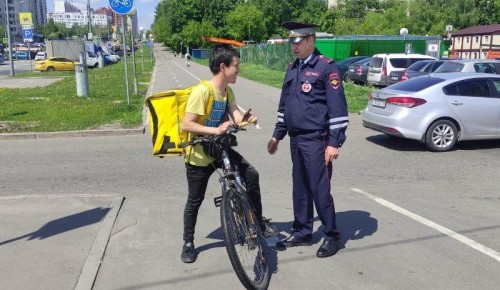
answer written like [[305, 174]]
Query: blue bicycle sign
[[121, 6]]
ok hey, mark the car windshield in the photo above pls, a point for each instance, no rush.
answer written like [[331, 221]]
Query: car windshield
[[450, 67], [416, 84]]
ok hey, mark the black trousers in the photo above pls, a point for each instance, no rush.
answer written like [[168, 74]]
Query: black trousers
[[198, 176]]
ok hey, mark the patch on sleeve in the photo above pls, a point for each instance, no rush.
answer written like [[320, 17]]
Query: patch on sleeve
[[334, 80]]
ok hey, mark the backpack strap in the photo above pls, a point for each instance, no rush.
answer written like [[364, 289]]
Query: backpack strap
[[210, 103]]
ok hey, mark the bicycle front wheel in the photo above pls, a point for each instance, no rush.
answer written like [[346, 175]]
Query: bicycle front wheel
[[245, 243]]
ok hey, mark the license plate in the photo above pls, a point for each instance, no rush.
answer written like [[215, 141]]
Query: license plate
[[351, 70], [394, 78], [378, 103]]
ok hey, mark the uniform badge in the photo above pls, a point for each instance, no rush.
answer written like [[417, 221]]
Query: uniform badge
[[334, 80], [306, 87]]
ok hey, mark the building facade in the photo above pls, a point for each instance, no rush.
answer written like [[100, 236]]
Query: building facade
[[475, 42], [37, 8]]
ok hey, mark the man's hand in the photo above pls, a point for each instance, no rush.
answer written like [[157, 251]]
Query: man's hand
[[272, 145], [223, 127], [331, 153]]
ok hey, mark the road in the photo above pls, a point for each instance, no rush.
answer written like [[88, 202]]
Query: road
[[19, 67], [411, 219]]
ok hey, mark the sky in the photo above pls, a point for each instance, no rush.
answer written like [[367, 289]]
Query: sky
[[145, 9]]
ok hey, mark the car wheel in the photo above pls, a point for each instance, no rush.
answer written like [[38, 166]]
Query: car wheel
[[50, 68], [441, 136], [96, 65]]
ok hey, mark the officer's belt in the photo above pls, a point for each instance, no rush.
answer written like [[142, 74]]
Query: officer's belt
[[295, 133]]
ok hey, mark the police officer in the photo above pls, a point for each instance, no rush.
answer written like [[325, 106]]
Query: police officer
[[313, 111]]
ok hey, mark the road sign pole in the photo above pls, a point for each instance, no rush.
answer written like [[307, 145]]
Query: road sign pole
[[133, 55], [9, 40], [122, 8], [125, 57]]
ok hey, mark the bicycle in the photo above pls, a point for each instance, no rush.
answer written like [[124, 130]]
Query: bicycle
[[125, 3], [243, 238]]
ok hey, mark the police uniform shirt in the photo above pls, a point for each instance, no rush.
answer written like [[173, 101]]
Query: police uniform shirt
[[312, 100]]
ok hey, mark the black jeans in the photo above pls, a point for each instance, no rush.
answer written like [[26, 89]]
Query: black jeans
[[198, 176]]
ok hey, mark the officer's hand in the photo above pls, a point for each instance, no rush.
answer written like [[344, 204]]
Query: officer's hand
[[331, 153], [272, 145]]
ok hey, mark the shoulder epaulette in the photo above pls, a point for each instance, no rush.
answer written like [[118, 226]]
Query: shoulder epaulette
[[325, 59]]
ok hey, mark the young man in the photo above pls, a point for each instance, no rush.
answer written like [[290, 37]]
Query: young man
[[313, 111], [224, 65]]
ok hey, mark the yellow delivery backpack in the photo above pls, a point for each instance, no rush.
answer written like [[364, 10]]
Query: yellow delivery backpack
[[166, 112]]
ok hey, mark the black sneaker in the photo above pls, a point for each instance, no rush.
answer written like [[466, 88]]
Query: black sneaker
[[269, 229], [188, 253]]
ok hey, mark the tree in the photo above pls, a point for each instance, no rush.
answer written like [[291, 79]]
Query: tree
[[244, 23]]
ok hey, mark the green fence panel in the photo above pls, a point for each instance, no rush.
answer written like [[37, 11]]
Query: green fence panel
[[278, 55]]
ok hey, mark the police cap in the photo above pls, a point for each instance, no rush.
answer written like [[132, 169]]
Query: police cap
[[298, 30]]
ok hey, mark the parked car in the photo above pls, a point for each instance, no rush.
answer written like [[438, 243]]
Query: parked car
[[344, 64], [438, 110], [383, 64], [112, 57], [423, 67], [92, 60], [2, 58], [20, 55], [471, 65], [358, 71], [55, 63], [40, 55]]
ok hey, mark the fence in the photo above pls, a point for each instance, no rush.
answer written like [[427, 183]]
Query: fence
[[278, 55]]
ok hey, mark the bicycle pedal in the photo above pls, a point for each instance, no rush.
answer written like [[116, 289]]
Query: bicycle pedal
[[217, 201]]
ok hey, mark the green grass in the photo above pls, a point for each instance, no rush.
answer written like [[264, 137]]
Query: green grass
[[58, 108], [357, 96]]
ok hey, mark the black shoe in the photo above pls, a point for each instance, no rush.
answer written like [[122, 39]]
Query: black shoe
[[188, 253], [268, 229], [328, 248], [294, 241]]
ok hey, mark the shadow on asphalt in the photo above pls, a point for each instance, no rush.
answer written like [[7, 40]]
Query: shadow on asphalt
[[64, 224], [402, 144], [396, 143]]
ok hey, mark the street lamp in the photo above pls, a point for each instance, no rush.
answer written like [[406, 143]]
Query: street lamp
[[9, 41], [403, 32], [141, 29]]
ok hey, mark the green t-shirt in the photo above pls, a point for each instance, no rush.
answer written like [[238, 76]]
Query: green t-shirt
[[196, 104]]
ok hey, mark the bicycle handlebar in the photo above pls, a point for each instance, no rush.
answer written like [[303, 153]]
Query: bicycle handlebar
[[214, 138]]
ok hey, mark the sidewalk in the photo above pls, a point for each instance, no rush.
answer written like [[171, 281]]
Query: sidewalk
[[54, 242]]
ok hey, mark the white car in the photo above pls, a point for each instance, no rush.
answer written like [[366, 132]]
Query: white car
[[92, 60], [40, 55], [382, 64]]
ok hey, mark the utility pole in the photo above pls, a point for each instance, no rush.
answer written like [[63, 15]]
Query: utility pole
[[89, 35], [9, 40]]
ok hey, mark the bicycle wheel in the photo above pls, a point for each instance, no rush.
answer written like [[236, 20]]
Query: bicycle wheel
[[245, 244]]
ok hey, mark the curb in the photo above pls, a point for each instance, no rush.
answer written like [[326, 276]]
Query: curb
[[94, 260], [82, 133]]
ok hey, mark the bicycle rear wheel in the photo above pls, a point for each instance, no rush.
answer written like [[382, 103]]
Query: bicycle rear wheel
[[245, 244]]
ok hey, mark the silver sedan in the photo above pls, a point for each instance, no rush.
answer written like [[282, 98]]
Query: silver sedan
[[438, 110]]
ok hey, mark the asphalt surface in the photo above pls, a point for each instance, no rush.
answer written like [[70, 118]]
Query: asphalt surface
[[102, 213]]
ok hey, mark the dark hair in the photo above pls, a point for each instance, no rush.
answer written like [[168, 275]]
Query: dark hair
[[221, 53]]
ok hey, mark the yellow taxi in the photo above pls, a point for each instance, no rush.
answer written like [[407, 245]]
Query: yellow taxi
[[55, 63]]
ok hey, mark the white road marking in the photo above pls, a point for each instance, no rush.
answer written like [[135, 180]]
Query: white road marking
[[463, 239]]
